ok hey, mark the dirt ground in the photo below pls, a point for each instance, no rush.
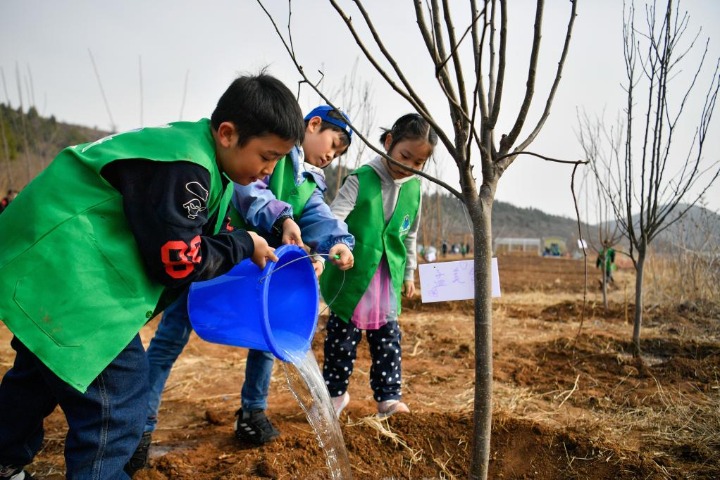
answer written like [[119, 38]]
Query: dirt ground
[[569, 402]]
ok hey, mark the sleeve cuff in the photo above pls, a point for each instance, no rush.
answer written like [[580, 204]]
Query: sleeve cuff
[[277, 228]]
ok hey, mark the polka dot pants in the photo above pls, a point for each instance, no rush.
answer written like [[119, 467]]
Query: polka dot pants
[[341, 350]]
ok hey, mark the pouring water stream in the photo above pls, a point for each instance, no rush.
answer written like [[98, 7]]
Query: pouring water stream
[[308, 387]]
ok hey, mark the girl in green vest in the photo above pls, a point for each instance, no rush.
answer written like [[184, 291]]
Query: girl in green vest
[[380, 202], [92, 244]]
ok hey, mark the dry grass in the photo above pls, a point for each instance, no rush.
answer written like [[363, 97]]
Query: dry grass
[[687, 277], [667, 423], [679, 424], [690, 427], [383, 431]]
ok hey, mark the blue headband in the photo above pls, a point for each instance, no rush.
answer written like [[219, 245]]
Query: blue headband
[[323, 112]]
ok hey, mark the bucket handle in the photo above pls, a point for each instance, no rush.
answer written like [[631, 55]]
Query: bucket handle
[[301, 258]]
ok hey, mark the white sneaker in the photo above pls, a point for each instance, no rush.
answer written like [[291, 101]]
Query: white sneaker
[[388, 407], [339, 403], [12, 473]]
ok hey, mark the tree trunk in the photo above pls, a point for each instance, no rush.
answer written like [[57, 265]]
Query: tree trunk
[[637, 323], [604, 286], [424, 228], [480, 214], [438, 218]]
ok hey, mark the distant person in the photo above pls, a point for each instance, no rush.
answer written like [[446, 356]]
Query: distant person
[[119, 227], [278, 207], [381, 203], [430, 254], [606, 261], [444, 248], [4, 203]]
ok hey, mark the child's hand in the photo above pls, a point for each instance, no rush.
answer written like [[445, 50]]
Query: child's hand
[[263, 252], [291, 233], [341, 256], [408, 288], [319, 266]]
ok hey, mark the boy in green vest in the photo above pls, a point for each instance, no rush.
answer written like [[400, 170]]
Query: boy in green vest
[[93, 243], [287, 207]]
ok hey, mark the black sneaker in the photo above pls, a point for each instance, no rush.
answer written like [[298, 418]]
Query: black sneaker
[[254, 427], [14, 473], [139, 459]]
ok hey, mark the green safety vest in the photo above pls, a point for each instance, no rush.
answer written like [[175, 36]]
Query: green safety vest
[[282, 184], [606, 257], [373, 238], [75, 289]]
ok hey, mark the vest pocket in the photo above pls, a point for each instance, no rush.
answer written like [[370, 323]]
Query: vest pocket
[[70, 305]]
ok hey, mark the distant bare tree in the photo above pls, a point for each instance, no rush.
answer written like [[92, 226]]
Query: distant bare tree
[[24, 129], [637, 176], [355, 98], [6, 150], [598, 144], [474, 96], [696, 257]]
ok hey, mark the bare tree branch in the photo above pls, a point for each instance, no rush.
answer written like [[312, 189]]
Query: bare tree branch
[[549, 159], [508, 140], [408, 94], [556, 83]]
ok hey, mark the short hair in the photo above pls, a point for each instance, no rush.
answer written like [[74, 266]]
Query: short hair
[[260, 105], [410, 126]]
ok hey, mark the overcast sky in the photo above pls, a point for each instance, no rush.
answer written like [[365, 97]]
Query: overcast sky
[[164, 60]]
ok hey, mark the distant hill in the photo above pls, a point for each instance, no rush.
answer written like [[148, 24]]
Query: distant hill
[[29, 143], [697, 230], [444, 218]]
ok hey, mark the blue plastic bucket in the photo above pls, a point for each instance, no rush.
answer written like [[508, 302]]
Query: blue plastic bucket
[[274, 309]]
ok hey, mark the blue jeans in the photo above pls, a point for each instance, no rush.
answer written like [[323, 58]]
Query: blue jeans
[[105, 423], [171, 337], [258, 371]]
